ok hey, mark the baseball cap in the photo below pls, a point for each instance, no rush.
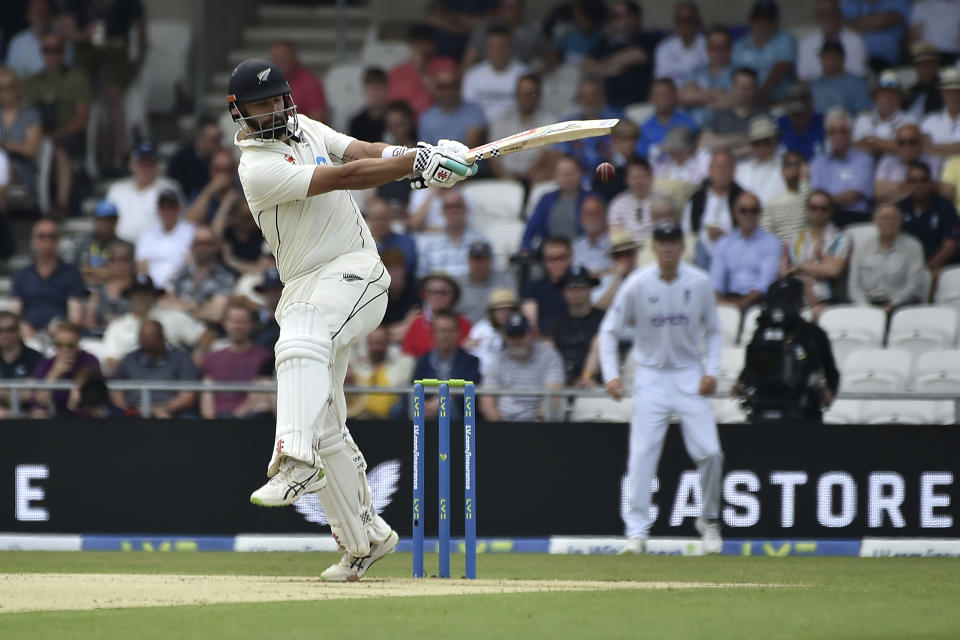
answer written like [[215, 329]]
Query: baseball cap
[[517, 325], [480, 249], [145, 150], [950, 78], [578, 276], [668, 230], [887, 80], [922, 51], [168, 196], [105, 209], [765, 9], [271, 280], [143, 282], [761, 128]]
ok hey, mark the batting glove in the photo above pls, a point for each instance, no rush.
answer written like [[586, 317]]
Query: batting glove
[[437, 167]]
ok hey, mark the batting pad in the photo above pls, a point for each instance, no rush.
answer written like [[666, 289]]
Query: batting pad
[[345, 496], [303, 383]]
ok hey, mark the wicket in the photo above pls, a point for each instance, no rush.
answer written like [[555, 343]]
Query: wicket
[[469, 474]]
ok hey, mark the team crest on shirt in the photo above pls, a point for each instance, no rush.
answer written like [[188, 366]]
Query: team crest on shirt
[[288, 158], [321, 160]]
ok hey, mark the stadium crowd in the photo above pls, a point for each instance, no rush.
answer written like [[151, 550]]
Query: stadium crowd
[[773, 154]]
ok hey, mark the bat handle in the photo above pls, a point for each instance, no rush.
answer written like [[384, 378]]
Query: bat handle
[[459, 168]]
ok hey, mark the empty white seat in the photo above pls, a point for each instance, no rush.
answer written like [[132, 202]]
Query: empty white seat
[[731, 364], [601, 410], [851, 327], [860, 232], [638, 112], [948, 288], [729, 323], [750, 317], [494, 200], [505, 236], [876, 370], [909, 412], [344, 89], [728, 411], [923, 328], [844, 412], [937, 372]]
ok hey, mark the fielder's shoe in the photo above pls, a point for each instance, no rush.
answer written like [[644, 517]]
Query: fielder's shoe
[[294, 479], [710, 530], [637, 546], [351, 568]]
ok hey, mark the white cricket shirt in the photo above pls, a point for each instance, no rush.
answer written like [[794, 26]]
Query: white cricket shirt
[[671, 322], [304, 233]]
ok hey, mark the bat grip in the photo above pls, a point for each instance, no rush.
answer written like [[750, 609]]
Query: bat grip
[[459, 168]]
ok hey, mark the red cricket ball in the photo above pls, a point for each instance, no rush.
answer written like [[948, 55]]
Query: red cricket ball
[[605, 172]]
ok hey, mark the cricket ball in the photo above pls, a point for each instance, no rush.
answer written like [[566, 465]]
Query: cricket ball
[[605, 172]]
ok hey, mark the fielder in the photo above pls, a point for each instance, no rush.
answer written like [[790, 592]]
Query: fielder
[[671, 307], [295, 174]]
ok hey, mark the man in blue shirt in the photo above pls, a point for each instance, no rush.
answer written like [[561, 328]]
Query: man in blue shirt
[[589, 152], [624, 58], [450, 117], [746, 261], [930, 218], [446, 361], [767, 50], [881, 23], [665, 117], [845, 172], [836, 87], [801, 129]]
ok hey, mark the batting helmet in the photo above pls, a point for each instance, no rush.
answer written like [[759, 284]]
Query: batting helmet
[[254, 80]]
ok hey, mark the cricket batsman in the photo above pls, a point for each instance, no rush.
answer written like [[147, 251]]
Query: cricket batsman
[[671, 309], [296, 174]]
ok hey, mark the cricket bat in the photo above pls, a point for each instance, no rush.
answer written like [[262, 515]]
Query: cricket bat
[[541, 137]]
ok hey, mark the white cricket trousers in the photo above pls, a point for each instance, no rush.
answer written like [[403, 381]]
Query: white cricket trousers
[[656, 394]]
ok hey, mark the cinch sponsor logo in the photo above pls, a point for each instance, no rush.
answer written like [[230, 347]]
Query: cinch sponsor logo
[[674, 320]]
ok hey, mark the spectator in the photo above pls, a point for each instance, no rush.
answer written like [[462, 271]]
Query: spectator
[[401, 129], [157, 361], [525, 113], [486, 336], [90, 398], [523, 363], [623, 255], [846, 173], [590, 248], [479, 281], [236, 232], [592, 100], [441, 293], [785, 214], [930, 218], [370, 121], [120, 336], [17, 360], [874, 131], [575, 327], [542, 298], [881, 24], [268, 330], [679, 166], [381, 366], [162, 250], [624, 57], [220, 188], [801, 129], [728, 127], [446, 361], [924, 96], [582, 34], [680, 55], [836, 87], [557, 212], [746, 260], [886, 269], [107, 300], [136, 197], [890, 183], [25, 52], [623, 145], [942, 129], [69, 360], [830, 20], [492, 83], [311, 98], [760, 173], [242, 361], [937, 22], [20, 132], [665, 117], [62, 96], [190, 165], [526, 36], [709, 86], [662, 209], [630, 210], [454, 21], [89, 251], [451, 117], [709, 213], [377, 214], [403, 299], [768, 51], [447, 251], [48, 288], [950, 184], [202, 285], [413, 81], [817, 255]]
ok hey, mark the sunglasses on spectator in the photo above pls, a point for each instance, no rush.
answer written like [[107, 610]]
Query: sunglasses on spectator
[[46, 236], [120, 258], [555, 258], [818, 207], [439, 292], [923, 180], [453, 205], [753, 211], [906, 141], [52, 49], [833, 130]]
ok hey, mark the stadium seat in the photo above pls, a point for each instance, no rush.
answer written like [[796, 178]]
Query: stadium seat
[[537, 191], [494, 200], [728, 411], [860, 232], [844, 412], [909, 412], [559, 88], [505, 236], [729, 323], [750, 317], [639, 112], [876, 371], [937, 372], [601, 410], [948, 288], [343, 84], [731, 364], [923, 328], [852, 327]]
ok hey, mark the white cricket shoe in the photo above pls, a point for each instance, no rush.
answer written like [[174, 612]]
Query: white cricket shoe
[[294, 479], [710, 530], [351, 568], [636, 546]]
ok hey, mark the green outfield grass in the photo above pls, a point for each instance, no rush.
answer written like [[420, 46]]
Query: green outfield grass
[[828, 598]]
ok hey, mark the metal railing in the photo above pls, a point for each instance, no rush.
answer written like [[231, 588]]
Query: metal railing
[[17, 388]]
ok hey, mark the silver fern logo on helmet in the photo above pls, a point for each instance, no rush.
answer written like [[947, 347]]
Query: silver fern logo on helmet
[[263, 75]]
